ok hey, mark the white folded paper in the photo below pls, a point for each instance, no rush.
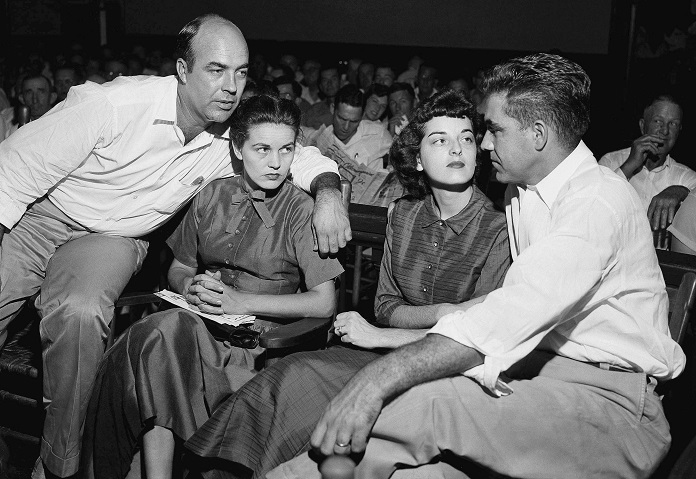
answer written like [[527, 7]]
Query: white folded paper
[[230, 319]]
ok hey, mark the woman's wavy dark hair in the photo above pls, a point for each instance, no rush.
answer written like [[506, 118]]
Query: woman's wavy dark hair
[[261, 109], [406, 146]]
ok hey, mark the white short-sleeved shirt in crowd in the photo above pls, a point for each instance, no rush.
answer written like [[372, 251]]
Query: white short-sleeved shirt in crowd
[[585, 282], [112, 158], [368, 145], [650, 183]]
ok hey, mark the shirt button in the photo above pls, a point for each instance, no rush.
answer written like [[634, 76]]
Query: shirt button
[[227, 261], [441, 223], [435, 244], [243, 218], [430, 266], [425, 290], [237, 232], [229, 245]]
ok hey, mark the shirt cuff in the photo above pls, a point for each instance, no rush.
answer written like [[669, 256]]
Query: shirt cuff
[[10, 211], [487, 374]]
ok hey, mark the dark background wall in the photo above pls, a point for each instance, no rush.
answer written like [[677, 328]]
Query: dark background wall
[[525, 25]]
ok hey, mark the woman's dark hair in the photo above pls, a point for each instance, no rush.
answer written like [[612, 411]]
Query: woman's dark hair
[[406, 146], [262, 109]]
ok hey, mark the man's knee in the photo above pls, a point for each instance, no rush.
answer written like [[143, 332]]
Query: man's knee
[[82, 313]]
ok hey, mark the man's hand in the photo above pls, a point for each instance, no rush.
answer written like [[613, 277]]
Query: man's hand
[[330, 223], [354, 329], [641, 149], [664, 205], [348, 419]]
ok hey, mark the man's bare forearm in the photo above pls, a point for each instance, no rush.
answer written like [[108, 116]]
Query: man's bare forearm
[[433, 357], [324, 181]]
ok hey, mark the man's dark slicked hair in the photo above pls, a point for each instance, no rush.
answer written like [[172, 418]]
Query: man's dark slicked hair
[[544, 87], [184, 40], [350, 95]]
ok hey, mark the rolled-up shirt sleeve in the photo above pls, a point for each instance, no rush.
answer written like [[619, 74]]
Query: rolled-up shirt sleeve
[[307, 164], [43, 152], [389, 296], [541, 290]]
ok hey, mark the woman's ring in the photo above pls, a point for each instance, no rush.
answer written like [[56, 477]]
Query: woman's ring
[[339, 444]]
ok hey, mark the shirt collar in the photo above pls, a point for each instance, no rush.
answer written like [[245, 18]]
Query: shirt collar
[[461, 220], [166, 113], [669, 161], [257, 199], [552, 183]]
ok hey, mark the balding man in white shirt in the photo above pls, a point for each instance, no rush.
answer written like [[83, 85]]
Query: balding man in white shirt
[[661, 182], [553, 374], [81, 186]]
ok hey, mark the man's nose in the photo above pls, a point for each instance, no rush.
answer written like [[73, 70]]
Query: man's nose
[[230, 83], [487, 143]]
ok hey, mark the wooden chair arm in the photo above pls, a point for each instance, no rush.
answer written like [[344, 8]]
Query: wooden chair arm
[[295, 333], [137, 298]]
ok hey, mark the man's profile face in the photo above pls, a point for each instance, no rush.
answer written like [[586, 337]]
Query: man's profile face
[[511, 147], [36, 94], [328, 83], [346, 120], [384, 76], [64, 79], [212, 87], [400, 103], [664, 119]]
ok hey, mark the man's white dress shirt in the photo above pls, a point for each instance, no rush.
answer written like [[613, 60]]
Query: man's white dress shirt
[[585, 282], [112, 158]]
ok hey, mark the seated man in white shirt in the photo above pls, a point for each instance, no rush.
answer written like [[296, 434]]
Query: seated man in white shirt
[[553, 374], [37, 93], [661, 182], [82, 185], [364, 142]]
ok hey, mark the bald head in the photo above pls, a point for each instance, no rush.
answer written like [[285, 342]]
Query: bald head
[[209, 23], [212, 69]]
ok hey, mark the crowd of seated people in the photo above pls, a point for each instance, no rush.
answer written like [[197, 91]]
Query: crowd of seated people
[[426, 138]]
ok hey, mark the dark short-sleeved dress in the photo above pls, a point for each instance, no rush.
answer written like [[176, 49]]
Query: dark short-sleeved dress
[[167, 369], [426, 261]]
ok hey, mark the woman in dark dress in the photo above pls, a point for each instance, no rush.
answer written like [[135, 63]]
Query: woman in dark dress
[[251, 235], [446, 247]]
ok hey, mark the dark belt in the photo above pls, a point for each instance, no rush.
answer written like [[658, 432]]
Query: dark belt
[[609, 367]]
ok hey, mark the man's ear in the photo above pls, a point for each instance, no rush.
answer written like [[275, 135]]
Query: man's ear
[[181, 69], [641, 125], [540, 132]]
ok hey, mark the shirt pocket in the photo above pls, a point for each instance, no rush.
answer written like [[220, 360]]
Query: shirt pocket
[[177, 193]]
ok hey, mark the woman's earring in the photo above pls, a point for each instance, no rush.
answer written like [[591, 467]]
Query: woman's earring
[[419, 166]]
